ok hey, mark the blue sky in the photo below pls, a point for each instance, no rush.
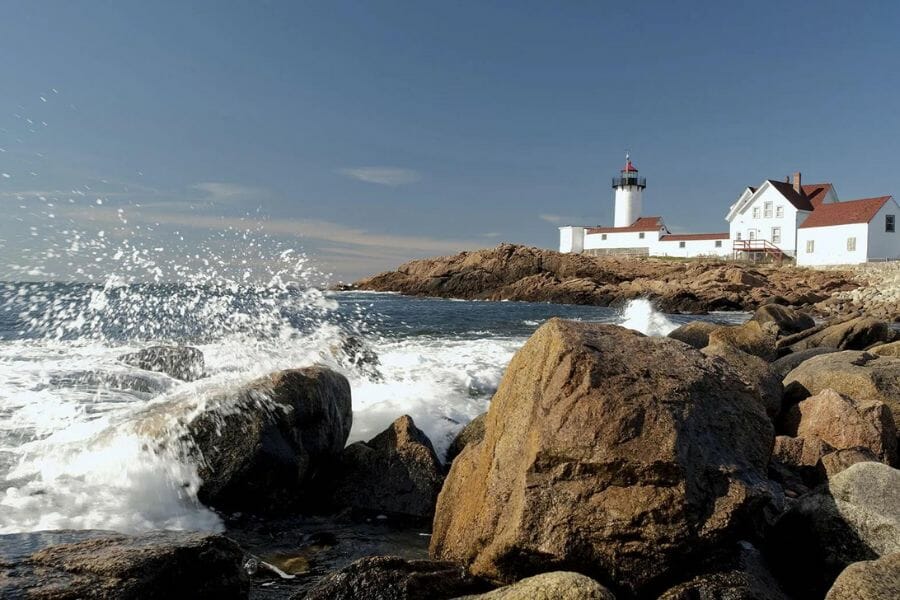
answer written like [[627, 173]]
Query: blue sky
[[368, 133]]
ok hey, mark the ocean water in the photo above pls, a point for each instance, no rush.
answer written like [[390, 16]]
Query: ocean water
[[74, 447]]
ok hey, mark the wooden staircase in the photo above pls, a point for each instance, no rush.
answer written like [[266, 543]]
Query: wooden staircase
[[758, 250]]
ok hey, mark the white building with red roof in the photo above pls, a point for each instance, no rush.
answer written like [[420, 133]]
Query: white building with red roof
[[778, 219]]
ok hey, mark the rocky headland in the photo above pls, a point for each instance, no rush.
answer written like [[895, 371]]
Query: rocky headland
[[513, 272], [747, 462]]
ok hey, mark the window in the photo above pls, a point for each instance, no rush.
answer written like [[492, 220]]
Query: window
[[810, 246], [752, 234], [776, 235], [719, 243], [890, 223], [737, 236], [603, 237], [767, 210], [641, 235], [779, 211], [755, 212], [851, 244], [681, 244]]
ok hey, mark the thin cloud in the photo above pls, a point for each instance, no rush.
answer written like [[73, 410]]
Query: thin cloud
[[220, 191], [382, 175]]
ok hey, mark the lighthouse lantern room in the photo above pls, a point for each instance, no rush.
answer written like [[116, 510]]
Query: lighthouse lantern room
[[629, 187]]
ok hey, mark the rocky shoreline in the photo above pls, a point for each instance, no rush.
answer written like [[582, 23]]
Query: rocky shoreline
[[512, 272], [723, 461]]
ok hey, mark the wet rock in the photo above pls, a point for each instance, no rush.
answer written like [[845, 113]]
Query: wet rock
[[394, 578], [858, 375], [857, 517], [181, 362], [261, 444], [839, 460], [396, 472], [789, 362], [747, 579], [160, 565], [620, 456], [868, 580], [855, 334], [843, 423], [354, 353], [787, 319], [755, 372], [751, 337], [556, 585], [472, 433]]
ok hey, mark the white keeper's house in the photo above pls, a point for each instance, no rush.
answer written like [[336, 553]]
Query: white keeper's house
[[776, 220]]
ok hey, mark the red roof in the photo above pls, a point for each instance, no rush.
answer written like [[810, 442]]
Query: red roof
[[684, 237], [816, 192], [843, 213], [629, 168], [642, 224]]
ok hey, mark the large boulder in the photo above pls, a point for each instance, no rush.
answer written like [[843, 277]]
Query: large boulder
[[789, 362], [556, 585], [787, 319], [395, 578], [695, 333], [843, 423], [159, 565], [858, 375], [839, 460], [802, 456], [623, 457], [868, 580], [472, 433], [747, 579], [258, 445], [755, 372], [856, 334], [857, 517], [181, 362], [396, 472], [752, 337]]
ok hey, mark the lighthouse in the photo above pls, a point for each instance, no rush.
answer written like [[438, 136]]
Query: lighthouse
[[629, 188]]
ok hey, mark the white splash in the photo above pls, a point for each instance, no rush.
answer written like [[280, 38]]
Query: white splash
[[640, 315]]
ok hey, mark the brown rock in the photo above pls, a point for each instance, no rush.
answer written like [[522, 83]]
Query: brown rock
[[695, 333], [556, 585], [625, 457], [156, 566], [789, 362], [855, 334], [755, 372], [858, 375], [394, 578], [798, 451], [396, 472], [892, 349], [472, 433], [844, 423], [786, 319], [751, 337], [839, 460], [868, 580]]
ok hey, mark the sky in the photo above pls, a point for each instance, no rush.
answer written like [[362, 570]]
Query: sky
[[365, 134]]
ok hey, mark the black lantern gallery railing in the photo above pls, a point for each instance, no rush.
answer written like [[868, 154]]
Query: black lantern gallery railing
[[626, 180]]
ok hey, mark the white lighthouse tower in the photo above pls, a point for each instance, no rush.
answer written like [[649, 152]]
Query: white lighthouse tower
[[629, 188]]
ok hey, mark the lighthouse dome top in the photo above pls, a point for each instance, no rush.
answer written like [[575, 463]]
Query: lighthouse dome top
[[629, 168]]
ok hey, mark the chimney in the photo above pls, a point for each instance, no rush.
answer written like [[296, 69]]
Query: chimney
[[797, 187]]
